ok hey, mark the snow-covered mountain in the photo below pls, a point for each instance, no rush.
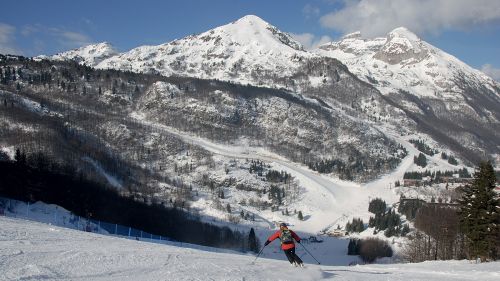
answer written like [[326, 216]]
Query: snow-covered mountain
[[420, 87], [246, 51], [89, 55], [249, 48], [426, 82], [240, 51], [205, 144], [403, 61]]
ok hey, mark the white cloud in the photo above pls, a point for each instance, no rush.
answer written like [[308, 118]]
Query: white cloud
[[377, 17], [310, 11], [7, 45], [28, 30], [87, 21], [70, 38], [311, 41], [64, 38], [491, 71]]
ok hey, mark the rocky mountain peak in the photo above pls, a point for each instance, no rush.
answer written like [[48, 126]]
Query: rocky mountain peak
[[402, 45], [403, 32]]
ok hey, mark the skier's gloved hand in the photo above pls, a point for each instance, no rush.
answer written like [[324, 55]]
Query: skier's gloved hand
[[267, 243], [298, 241]]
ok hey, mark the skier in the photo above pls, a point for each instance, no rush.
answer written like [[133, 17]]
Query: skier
[[287, 245]]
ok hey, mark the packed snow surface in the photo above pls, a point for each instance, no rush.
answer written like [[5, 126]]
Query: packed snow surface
[[37, 251]]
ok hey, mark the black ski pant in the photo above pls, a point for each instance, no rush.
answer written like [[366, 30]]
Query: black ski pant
[[291, 256]]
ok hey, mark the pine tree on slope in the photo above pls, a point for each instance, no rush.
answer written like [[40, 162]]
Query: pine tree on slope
[[479, 213], [253, 243]]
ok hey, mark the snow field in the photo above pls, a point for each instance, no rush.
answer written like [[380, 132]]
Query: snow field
[[36, 251]]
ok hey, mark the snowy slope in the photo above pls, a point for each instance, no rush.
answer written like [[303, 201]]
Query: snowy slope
[[89, 55], [415, 77], [401, 60], [437, 90], [248, 48], [35, 251], [325, 198], [326, 201], [246, 51], [239, 51]]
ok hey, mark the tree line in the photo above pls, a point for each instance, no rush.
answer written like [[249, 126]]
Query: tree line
[[436, 176], [37, 178]]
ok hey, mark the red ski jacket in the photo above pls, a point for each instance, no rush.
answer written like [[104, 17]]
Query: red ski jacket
[[285, 246]]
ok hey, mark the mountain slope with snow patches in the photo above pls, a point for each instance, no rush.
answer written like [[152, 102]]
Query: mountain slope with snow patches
[[324, 113], [423, 88], [401, 60], [206, 135], [241, 51], [246, 51], [437, 89]]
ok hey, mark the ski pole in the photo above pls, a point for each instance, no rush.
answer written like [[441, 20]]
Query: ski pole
[[258, 254], [310, 253]]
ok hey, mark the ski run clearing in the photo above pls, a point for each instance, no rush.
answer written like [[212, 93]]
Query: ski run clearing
[[326, 201], [37, 251]]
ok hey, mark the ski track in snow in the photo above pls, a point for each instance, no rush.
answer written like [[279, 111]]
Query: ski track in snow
[[36, 251], [111, 180]]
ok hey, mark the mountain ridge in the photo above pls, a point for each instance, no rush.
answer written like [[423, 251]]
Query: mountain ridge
[[430, 85], [425, 83], [245, 21], [89, 55]]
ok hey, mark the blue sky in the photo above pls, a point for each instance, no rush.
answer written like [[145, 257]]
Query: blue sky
[[469, 30]]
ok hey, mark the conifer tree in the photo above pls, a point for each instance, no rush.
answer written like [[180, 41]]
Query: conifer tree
[[20, 157], [253, 243], [353, 247], [356, 225], [421, 160], [452, 161], [377, 206], [17, 156], [479, 213]]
